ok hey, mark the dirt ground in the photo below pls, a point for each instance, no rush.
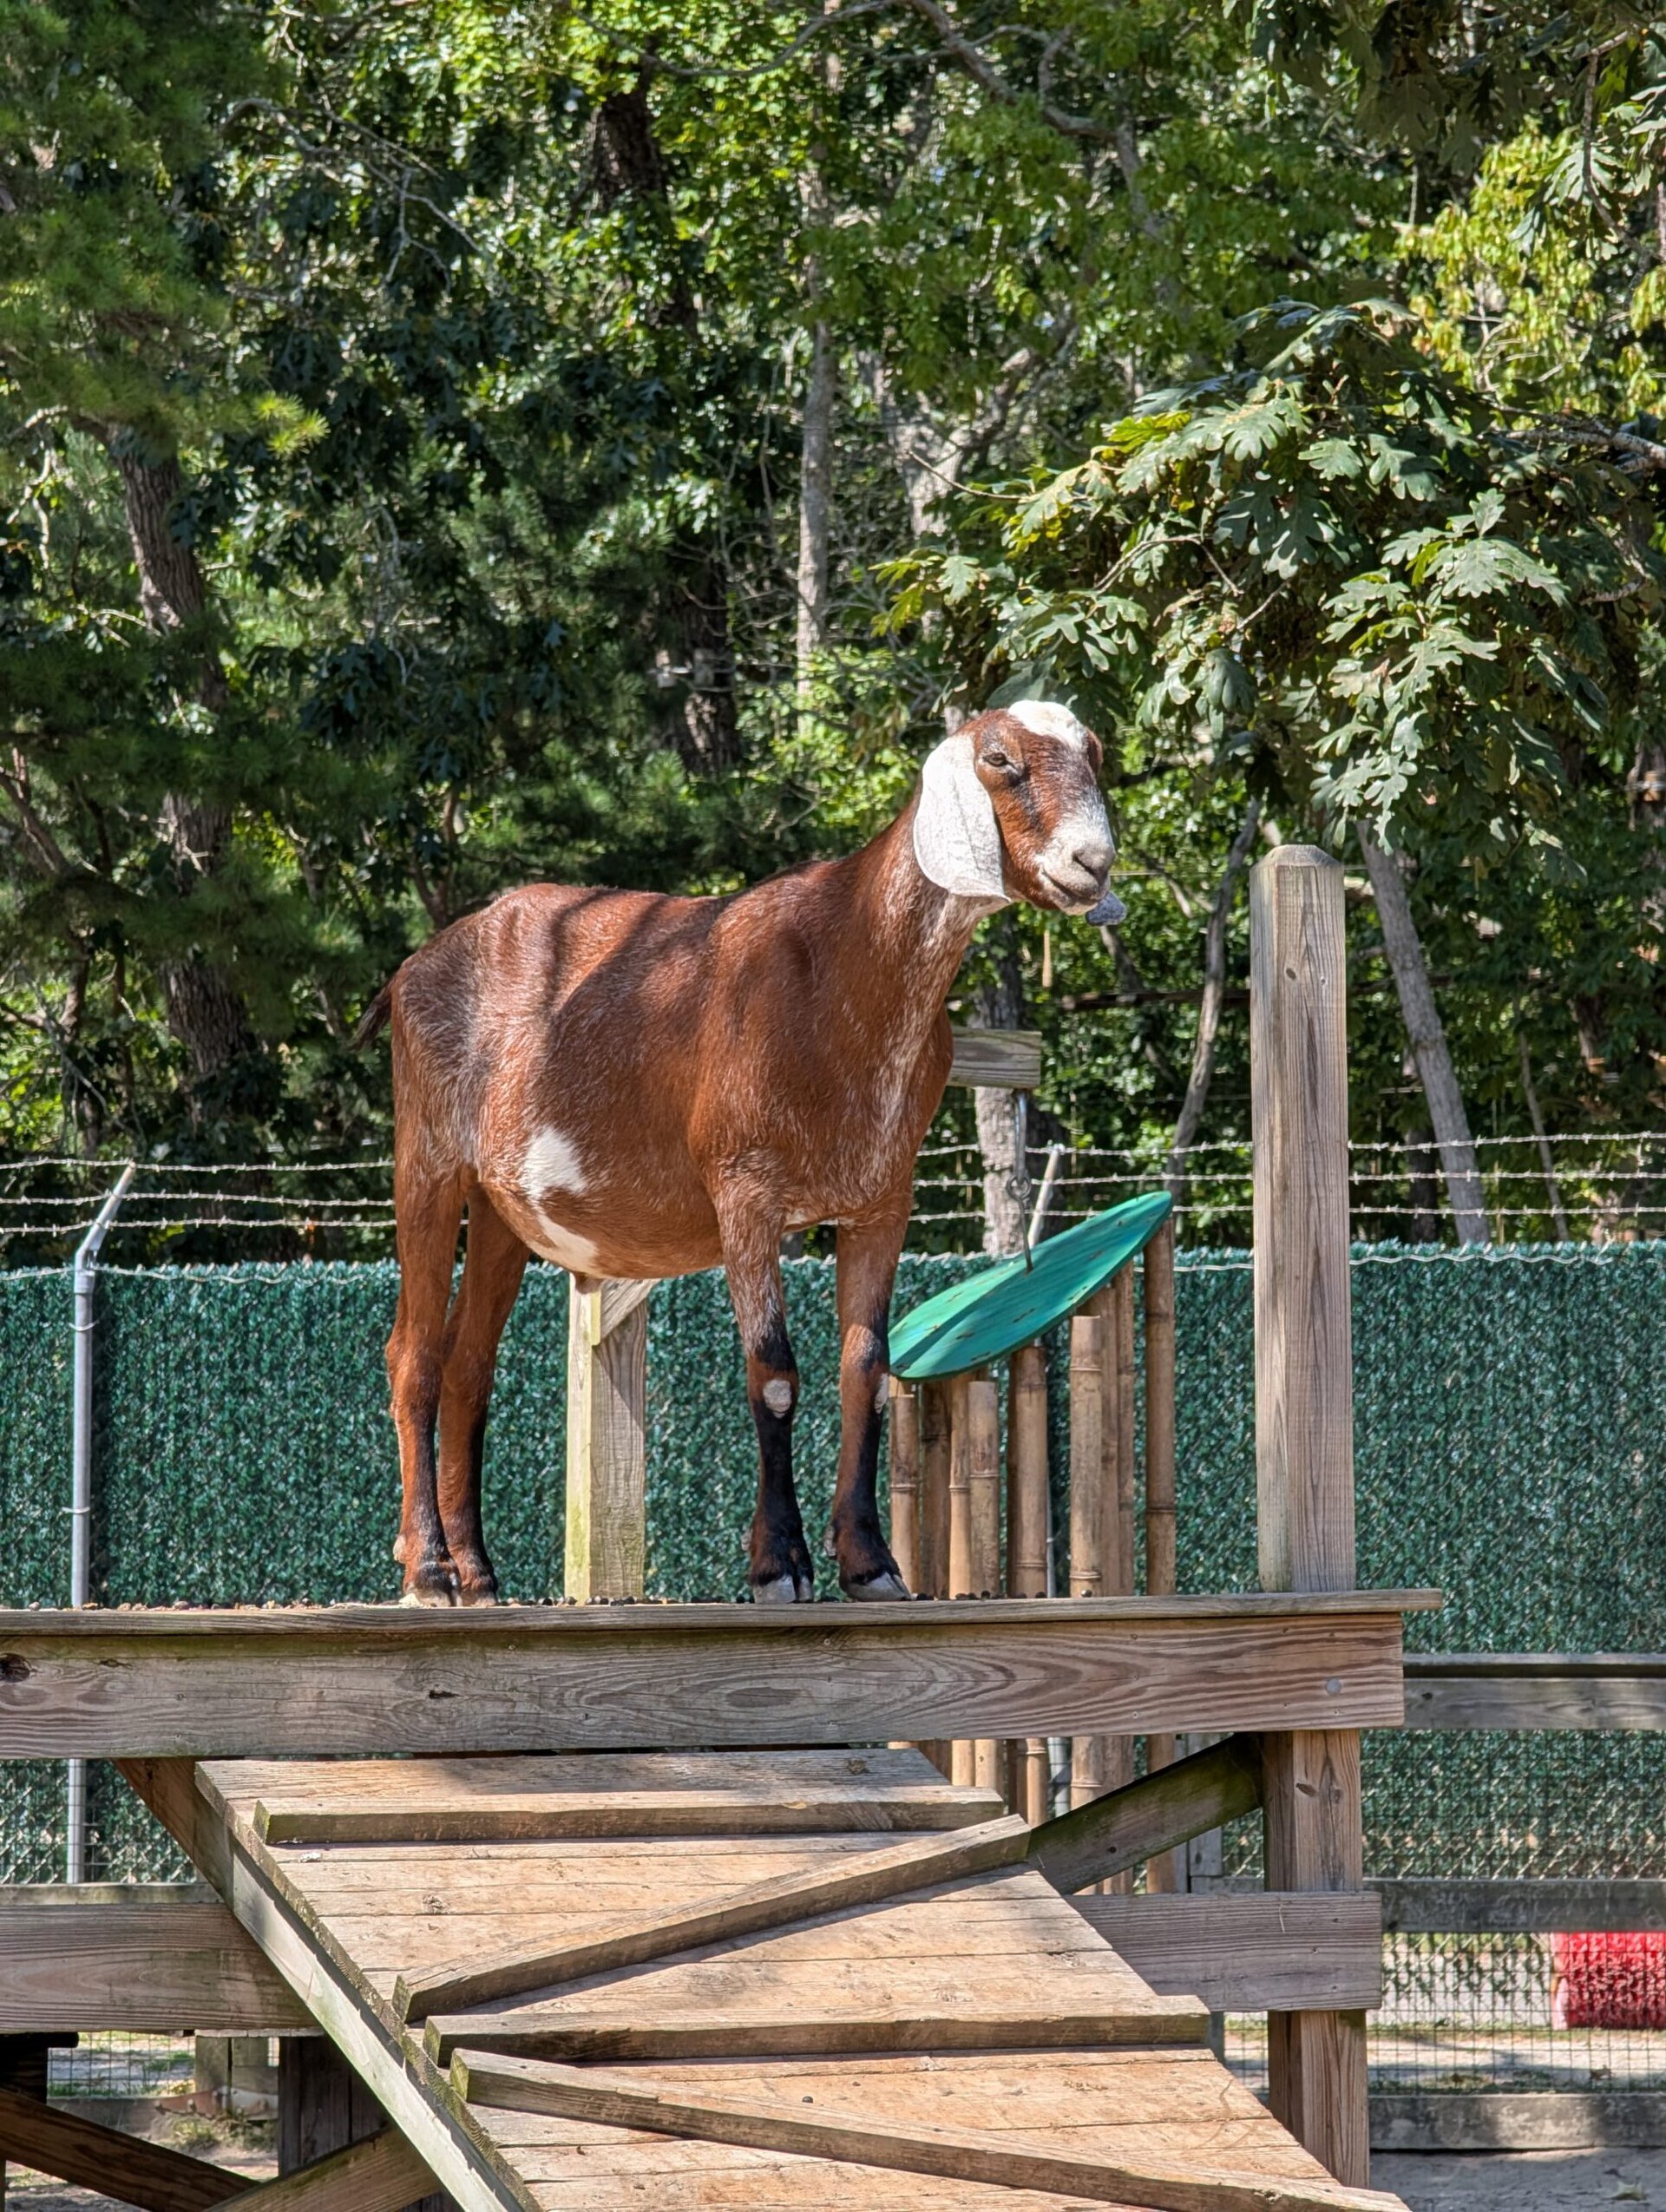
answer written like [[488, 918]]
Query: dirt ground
[[1523, 2181], [1537, 2181]]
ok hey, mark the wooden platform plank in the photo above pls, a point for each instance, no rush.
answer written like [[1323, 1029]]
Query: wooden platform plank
[[862, 2137], [896, 1976], [354, 1680], [981, 1971], [959, 1923], [575, 1793], [866, 1881]]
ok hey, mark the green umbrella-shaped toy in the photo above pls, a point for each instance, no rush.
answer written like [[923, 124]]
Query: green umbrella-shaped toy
[[1007, 1304]]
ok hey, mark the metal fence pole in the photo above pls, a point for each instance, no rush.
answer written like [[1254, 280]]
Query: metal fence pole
[[81, 1485]]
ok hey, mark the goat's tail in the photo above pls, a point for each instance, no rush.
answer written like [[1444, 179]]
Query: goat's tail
[[374, 1020]]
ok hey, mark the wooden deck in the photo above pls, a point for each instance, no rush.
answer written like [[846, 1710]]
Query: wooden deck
[[687, 2014]]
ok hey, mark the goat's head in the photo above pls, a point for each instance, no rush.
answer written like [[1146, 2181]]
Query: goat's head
[[1010, 809]]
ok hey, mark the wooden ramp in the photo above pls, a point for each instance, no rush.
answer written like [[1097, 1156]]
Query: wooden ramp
[[731, 1980]]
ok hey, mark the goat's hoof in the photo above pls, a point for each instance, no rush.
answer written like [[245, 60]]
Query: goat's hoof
[[785, 1589], [478, 1593], [868, 1588], [447, 1597]]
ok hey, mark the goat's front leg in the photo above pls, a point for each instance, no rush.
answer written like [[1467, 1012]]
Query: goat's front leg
[[780, 1571], [867, 1270]]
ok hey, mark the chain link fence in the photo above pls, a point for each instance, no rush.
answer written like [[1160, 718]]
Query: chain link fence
[[1511, 1423]]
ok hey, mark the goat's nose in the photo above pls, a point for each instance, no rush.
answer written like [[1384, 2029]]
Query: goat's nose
[[1094, 856]]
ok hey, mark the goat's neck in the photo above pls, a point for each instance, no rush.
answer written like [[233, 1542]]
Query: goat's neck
[[906, 936]]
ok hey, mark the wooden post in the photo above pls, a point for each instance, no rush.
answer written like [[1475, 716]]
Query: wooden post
[[905, 1480], [1304, 1432], [323, 2106], [1028, 1538], [1166, 1873], [606, 1454], [1087, 1513]]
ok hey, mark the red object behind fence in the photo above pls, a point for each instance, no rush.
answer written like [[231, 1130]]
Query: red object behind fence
[[1608, 1981]]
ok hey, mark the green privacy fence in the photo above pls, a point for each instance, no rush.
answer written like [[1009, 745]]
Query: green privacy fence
[[1509, 1412]]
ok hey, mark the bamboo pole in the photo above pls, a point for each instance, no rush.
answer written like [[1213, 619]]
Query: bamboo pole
[[1027, 1501], [1028, 1540], [1088, 1514], [962, 1568], [983, 1456], [905, 1480], [1126, 1381], [933, 1489], [1116, 1303], [1166, 1873], [934, 1517], [983, 1474], [963, 1752]]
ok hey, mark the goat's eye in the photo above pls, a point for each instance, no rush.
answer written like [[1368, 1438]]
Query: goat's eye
[[997, 758]]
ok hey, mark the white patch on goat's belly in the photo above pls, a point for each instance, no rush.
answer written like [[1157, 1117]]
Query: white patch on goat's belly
[[551, 1164], [1050, 720]]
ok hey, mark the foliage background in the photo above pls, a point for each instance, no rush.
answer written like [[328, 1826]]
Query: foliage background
[[400, 432]]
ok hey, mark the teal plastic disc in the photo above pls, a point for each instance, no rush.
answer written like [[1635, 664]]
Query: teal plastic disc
[[1007, 1304]]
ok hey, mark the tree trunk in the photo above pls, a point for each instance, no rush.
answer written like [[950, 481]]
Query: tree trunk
[[815, 501], [712, 732], [1428, 1039], [203, 1009], [1001, 1006], [1209, 1012]]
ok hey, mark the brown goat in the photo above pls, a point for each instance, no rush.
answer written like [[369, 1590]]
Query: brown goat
[[640, 1085]]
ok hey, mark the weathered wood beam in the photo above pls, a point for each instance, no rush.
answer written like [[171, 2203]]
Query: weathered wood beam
[[1624, 1906], [1013, 2161], [1550, 2119], [1261, 1951], [1313, 1825], [363, 1679], [90, 1957], [98, 2157], [381, 2174], [999, 1059], [606, 1441], [891, 1871], [1179, 1802], [1538, 1689]]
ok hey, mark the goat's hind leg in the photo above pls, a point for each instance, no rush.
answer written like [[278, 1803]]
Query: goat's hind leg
[[428, 1214], [781, 1572], [496, 1261]]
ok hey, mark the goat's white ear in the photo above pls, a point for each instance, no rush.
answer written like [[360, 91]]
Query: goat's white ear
[[956, 840]]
